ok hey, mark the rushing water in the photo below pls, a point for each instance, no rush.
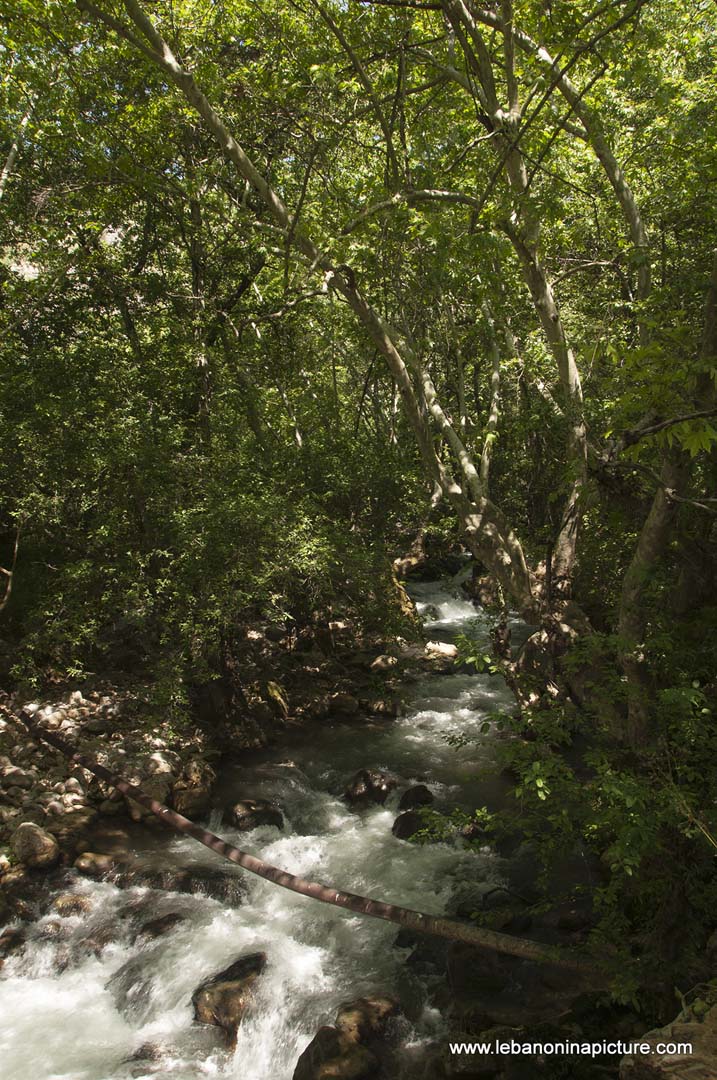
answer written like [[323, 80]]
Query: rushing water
[[68, 1013]]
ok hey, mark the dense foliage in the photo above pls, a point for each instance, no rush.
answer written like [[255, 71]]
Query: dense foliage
[[201, 424]]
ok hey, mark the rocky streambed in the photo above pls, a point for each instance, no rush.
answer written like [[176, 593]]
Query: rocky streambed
[[144, 955]]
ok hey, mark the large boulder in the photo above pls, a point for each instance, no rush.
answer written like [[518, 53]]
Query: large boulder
[[407, 825], [366, 1018], [696, 1027], [331, 1055], [95, 864], [351, 1049], [34, 847], [223, 999], [418, 795], [369, 786], [249, 814]]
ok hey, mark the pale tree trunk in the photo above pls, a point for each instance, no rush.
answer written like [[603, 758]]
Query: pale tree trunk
[[634, 605], [491, 428], [523, 230], [361, 905], [489, 535], [256, 423], [14, 149], [197, 259]]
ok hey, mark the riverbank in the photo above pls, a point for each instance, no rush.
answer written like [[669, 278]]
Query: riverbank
[[89, 931]]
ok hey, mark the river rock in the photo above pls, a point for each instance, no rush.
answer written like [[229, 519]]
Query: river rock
[[369, 786], [382, 707], [191, 795], [331, 1055], [406, 825], [418, 795], [701, 1064], [442, 650], [12, 940], [222, 1000], [34, 847], [95, 864], [158, 927], [383, 663], [366, 1018], [249, 814], [131, 986], [71, 904], [14, 776], [346, 1050], [341, 704]]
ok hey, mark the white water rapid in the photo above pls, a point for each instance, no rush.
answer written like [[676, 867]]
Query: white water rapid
[[73, 1012]]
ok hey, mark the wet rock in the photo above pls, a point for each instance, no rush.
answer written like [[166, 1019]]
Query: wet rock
[[221, 884], [249, 814], [407, 825], [131, 986], [147, 1052], [34, 847], [366, 1018], [331, 1055], [383, 707], [95, 864], [419, 795], [350, 1050], [191, 795], [71, 904], [341, 704], [12, 940], [94, 943], [158, 927], [369, 786], [223, 999]]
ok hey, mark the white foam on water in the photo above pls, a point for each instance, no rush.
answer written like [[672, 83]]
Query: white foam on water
[[85, 1022]]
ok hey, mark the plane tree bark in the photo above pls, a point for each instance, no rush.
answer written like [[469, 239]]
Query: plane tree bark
[[423, 923], [488, 533]]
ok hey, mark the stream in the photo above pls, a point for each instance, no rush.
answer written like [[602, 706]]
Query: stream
[[88, 991]]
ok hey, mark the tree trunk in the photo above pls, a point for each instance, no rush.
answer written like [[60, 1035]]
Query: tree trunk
[[634, 607], [652, 544], [489, 535], [361, 905]]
